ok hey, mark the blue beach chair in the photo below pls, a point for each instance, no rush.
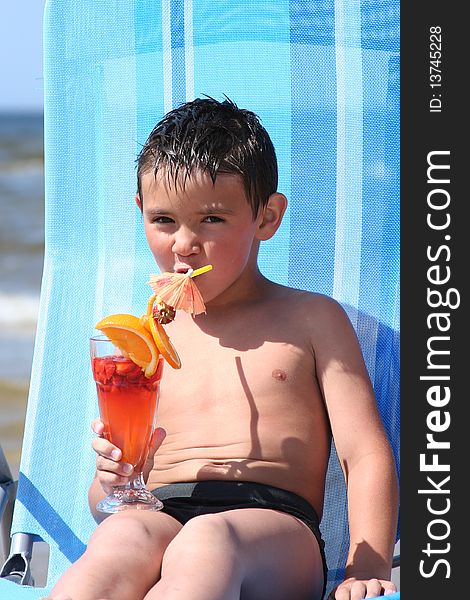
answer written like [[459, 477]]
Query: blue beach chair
[[324, 78]]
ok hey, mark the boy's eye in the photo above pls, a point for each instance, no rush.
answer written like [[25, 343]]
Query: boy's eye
[[163, 220], [213, 219]]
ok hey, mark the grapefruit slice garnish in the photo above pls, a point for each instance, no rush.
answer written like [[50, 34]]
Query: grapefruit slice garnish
[[130, 335]]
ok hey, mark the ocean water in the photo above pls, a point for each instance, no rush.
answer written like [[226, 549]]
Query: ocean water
[[21, 262]]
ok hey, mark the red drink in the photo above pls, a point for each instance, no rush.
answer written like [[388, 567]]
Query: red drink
[[127, 401]]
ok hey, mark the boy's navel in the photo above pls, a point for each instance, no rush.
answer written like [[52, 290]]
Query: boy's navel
[[279, 375]]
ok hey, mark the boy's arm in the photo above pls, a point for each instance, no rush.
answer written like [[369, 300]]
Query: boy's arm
[[363, 450]]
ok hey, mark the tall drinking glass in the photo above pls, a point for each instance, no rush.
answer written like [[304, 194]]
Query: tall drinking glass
[[127, 403]]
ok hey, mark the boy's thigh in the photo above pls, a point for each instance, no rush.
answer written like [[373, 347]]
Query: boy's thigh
[[282, 557], [135, 531], [279, 556]]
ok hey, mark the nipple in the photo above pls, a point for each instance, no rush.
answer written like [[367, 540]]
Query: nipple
[[279, 375]]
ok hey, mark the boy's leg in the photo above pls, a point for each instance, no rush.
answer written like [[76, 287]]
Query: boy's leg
[[249, 553], [123, 558]]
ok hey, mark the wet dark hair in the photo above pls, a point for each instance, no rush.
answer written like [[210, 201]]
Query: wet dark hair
[[212, 137]]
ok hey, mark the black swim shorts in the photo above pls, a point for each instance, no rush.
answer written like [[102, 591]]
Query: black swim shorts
[[183, 501]]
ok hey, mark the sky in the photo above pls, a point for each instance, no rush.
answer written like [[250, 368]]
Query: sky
[[21, 79]]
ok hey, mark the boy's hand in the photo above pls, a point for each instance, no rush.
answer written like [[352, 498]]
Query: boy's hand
[[110, 470], [357, 589]]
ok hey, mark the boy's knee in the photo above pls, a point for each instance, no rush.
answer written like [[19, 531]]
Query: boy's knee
[[124, 531]]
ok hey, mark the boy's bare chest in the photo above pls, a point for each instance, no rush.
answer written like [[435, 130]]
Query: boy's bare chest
[[244, 368]]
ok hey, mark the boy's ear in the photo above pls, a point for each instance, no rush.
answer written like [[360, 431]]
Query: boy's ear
[[138, 201], [271, 216]]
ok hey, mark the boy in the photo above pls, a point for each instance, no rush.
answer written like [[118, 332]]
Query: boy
[[269, 374]]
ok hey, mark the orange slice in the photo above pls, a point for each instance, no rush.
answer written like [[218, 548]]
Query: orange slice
[[160, 336], [130, 335], [163, 342]]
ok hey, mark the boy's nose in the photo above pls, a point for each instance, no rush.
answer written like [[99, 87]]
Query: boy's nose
[[185, 243]]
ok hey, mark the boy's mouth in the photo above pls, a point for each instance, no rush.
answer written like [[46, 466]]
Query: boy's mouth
[[182, 269]]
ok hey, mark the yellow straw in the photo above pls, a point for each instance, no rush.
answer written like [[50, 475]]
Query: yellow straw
[[201, 270]]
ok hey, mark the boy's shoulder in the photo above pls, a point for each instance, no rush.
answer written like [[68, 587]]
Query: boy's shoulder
[[307, 301], [313, 310]]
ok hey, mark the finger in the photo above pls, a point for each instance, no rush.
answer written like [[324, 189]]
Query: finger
[[97, 426], [112, 466], [109, 480], [157, 439], [341, 593], [104, 448], [389, 587], [358, 590], [374, 588]]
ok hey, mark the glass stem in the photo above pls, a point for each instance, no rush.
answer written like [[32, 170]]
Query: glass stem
[[136, 482]]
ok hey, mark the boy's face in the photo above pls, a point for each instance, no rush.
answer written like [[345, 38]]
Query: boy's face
[[203, 223]]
